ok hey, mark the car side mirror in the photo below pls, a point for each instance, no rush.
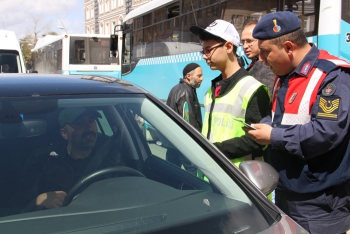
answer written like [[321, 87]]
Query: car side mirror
[[262, 174]]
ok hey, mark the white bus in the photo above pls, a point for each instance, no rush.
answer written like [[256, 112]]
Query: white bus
[[11, 58], [75, 54], [157, 24]]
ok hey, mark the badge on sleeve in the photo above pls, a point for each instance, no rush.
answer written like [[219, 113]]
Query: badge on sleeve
[[329, 90], [328, 108]]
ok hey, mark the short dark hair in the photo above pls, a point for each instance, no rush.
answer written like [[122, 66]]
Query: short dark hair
[[297, 37], [204, 36], [250, 21]]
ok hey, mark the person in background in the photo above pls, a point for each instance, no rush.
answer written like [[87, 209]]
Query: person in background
[[257, 68], [234, 94], [309, 128], [183, 96], [5, 68], [184, 101]]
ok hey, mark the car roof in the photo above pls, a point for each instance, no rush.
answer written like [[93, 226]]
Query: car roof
[[33, 84]]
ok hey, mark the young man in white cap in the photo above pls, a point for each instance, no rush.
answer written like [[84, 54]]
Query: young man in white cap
[[234, 94]]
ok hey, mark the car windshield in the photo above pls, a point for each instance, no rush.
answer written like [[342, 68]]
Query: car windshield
[[144, 173]]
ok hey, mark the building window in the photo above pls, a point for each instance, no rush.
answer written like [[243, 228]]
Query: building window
[[101, 8], [87, 14], [92, 12], [113, 25], [106, 6], [120, 3], [114, 4], [107, 28]]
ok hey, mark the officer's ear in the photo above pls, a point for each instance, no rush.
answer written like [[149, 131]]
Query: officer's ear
[[63, 132], [289, 47]]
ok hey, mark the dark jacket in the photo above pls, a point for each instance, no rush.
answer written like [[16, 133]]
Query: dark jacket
[[53, 169], [181, 93], [258, 108], [260, 71]]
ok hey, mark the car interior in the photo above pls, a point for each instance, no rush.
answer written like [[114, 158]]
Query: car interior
[[149, 185]]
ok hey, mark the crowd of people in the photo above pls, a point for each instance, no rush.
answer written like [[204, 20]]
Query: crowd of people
[[296, 96], [297, 99]]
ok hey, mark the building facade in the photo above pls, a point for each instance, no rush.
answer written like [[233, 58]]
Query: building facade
[[105, 16]]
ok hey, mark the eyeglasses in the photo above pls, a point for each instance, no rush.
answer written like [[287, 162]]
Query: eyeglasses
[[208, 51], [249, 42]]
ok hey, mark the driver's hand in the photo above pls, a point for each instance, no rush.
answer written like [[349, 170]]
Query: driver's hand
[[50, 200]]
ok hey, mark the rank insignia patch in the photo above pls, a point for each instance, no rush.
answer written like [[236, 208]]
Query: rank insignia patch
[[328, 108], [305, 69]]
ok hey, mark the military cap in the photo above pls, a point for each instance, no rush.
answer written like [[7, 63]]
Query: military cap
[[276, 24]]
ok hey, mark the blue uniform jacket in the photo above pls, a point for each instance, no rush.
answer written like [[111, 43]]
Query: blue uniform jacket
[[313, 156]]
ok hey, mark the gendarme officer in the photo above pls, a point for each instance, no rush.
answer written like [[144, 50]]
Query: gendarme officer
[[309, 129]]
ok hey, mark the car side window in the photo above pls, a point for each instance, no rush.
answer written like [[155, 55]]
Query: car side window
[[104, 127], [162, 148]]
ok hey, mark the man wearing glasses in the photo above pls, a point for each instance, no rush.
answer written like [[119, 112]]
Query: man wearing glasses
[[257, 67], [233, 95]]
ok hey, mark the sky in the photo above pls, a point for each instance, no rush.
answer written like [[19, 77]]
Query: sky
[[19, 16]]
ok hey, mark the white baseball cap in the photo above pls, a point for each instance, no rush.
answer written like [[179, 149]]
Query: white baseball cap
[[220, 28]]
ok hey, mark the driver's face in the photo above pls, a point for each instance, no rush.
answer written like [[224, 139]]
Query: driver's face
[[5, 68], [82, 133]]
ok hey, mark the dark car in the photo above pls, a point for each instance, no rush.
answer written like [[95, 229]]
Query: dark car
[[137, 190]]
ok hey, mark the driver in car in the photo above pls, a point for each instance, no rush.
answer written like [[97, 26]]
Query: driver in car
[[51, 172]]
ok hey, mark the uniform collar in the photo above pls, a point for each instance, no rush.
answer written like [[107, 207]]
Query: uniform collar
[[306, 65]]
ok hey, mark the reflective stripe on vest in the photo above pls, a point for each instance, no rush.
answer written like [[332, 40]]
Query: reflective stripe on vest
[[231, 105], [297, 110]]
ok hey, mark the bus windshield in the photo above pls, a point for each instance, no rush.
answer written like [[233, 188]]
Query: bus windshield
[[90, 50], [10, 61]]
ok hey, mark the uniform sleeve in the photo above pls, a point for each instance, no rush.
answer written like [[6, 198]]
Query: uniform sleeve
[[321, 134], [258, 107]]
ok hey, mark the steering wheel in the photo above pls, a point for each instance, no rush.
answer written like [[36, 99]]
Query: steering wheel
[[95, 176]]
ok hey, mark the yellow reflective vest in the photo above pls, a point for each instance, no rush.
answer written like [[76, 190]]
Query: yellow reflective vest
[[226, 109]]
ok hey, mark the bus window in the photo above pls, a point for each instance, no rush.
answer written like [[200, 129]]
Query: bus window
[[10, 60], [98, 56], [126, 63], [77, 52], [173, 11], [59, 60], [99, 51]]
